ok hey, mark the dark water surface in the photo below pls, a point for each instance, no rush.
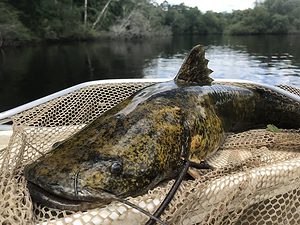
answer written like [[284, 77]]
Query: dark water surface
[[29, 73]]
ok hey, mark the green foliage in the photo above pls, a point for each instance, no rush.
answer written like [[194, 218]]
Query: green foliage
[[187, 20], [269, 17], [11, 29], [214, 22], [273, 128], [59, 20], [279, 24], [256, 21], [144, 20], [23, 20]]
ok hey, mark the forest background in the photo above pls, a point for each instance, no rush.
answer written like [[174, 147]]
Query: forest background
[[31, 21]]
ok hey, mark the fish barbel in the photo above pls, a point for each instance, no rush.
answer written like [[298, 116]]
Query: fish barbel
[[146, 138]]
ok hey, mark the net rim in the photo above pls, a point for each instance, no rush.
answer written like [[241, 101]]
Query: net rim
[[6, 115]]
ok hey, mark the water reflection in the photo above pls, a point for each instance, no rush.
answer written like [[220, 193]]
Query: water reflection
[[239, 64], [232, 60], [29, 73]]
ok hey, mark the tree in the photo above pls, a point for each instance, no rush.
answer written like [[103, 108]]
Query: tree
[[85, 12], [11, 29], [82, 19], [101, 14], [279, 24]]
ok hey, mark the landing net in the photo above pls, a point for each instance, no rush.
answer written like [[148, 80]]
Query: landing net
[[256, 179]]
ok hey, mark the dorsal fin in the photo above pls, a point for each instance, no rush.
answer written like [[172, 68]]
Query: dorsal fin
[[194, 68]]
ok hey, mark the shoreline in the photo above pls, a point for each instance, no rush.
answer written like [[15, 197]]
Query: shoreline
[[104, 36]]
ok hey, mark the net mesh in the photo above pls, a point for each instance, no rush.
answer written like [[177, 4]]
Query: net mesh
[[255, 177]]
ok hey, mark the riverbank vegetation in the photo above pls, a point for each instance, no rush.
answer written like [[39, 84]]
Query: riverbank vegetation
[[24, 21]]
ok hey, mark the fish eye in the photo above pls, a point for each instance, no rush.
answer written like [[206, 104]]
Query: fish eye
[[116, 168]]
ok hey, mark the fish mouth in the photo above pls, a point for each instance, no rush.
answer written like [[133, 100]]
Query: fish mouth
[[45, 198]]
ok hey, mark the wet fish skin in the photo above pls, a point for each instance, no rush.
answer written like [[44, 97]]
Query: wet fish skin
[[145, 139], [148, 135]]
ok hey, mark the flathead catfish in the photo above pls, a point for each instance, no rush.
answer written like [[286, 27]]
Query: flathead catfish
[[147, 138]]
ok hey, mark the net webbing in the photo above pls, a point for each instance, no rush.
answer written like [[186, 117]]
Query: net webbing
[[255, 180]]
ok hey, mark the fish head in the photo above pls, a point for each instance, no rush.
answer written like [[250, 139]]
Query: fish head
[[113, 157], [65, 180]]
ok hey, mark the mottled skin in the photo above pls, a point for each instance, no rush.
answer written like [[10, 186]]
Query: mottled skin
[[146, 138], [194, 68], [148, 135]]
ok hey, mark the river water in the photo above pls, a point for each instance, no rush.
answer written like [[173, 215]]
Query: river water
[[29, 73]]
